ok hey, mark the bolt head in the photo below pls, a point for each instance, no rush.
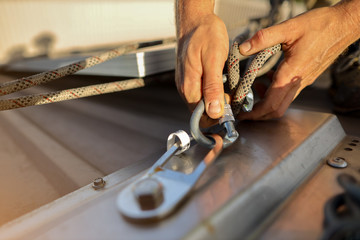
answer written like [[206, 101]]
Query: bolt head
[[98, 183], [149, 193]]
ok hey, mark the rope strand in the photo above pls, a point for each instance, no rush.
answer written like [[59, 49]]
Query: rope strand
[[69, 94], [44, 77], [74, 93]]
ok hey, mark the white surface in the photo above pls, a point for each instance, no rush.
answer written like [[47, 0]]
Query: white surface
[[81, 23]]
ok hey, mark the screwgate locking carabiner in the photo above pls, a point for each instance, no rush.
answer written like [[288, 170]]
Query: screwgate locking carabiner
[[227, 121]]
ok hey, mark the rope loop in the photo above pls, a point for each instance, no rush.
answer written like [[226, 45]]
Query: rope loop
[[240, 87]]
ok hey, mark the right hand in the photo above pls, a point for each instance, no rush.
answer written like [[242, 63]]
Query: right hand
[[202, 52]]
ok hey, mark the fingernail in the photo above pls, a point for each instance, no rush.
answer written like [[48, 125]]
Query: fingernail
[[214, 107], [245, 47]]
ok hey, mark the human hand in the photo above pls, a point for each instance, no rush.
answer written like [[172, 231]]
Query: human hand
[[311, 42], [202, 52]]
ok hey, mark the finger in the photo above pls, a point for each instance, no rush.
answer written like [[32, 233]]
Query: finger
[[265, 38], [191, 85], [262, 111], [291, 95], [213, 88], [206, 121], [280, 94]]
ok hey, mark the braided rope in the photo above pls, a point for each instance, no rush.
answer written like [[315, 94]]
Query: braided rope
[[240, 87], [68, 94], [44, 77]]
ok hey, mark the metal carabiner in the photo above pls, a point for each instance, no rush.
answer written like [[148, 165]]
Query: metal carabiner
[[227, 121]]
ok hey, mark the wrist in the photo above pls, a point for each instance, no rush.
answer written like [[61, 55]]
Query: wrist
[[349, 15], [189, 14]]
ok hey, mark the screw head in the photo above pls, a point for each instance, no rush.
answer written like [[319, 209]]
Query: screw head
[[337, 162], [98, 183], [149, 193]]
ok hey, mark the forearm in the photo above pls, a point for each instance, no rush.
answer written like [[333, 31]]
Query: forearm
[[349, 16], [189, 13], [202, 50]]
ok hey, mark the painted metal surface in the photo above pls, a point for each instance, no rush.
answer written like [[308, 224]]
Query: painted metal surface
[[303, 216], [248, 181], [50, 151]]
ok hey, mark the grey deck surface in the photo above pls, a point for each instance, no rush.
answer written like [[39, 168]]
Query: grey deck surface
[[51, 150]]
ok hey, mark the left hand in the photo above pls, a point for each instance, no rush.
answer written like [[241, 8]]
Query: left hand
[[311, 42]]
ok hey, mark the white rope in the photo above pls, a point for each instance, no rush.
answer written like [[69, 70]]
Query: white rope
[[69, 94], [44, 77], [240, 87]]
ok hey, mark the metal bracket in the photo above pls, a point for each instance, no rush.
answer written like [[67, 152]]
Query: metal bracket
[[160, 190]]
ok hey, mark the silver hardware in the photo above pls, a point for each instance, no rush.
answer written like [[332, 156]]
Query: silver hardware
[[98, 183], [249, 101], [228, 115], [149, 193], [160, 190], [337, 162], [227, 121], [183, 139], [224, 78]]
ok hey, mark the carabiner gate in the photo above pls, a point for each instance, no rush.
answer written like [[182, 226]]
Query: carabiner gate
[[227, 121]]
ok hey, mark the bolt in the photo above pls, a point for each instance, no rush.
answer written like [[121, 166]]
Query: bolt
[[149, 193], [98, 183], [337, 162]]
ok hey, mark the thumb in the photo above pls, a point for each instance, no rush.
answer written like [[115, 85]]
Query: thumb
[[264, 38], [213, 87]]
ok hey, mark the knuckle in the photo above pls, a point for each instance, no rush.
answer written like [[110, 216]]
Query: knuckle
[[291, 25], [273, 107], [261, 35], [212, 87], [191, 91]]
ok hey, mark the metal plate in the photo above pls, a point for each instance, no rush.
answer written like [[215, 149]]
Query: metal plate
[[247, 182], [302, 217]]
